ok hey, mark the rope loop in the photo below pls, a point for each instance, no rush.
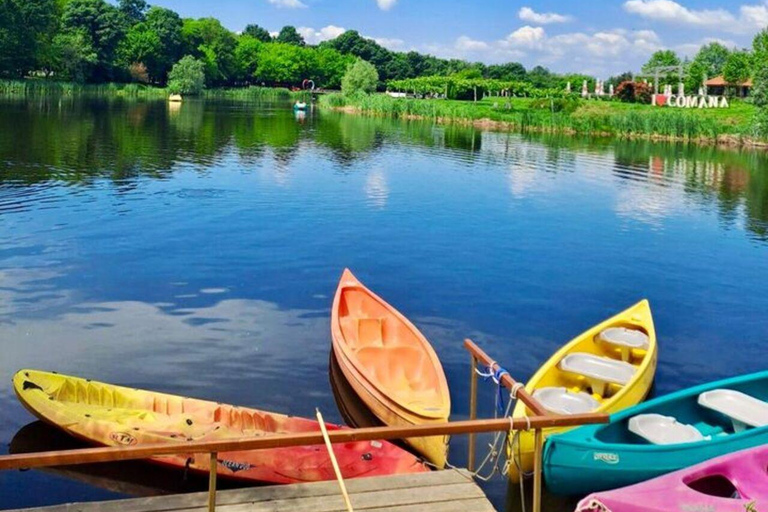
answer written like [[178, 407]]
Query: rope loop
[[517, 387]]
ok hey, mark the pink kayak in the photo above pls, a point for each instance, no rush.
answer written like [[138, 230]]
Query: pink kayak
[[734, 483]]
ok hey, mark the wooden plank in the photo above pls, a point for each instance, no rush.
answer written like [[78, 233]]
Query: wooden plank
[[271, 493], [363, 501]]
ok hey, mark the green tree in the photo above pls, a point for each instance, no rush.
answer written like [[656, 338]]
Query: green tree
[[208, 40], [289, 35], [72, 56], [26, 27], [712, 58], [760, 78], [133, 10], [142, 45], [102, 25], [510, 72], [258, 33], [167, 25], [247, 57], [738, 67], [661, 58], [282, 64], [361, 77], [330, 67], [187, 76]]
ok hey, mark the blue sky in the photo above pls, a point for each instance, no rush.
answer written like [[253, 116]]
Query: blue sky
[[599, 37]]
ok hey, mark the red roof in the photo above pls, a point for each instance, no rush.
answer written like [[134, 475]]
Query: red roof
[[719, 81]]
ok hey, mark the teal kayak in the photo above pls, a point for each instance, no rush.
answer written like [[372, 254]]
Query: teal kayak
[[657, 437]]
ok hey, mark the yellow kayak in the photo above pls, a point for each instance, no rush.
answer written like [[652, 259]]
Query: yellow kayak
[[606, 369]]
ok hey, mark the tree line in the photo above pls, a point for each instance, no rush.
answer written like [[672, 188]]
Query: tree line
[[94, 41]]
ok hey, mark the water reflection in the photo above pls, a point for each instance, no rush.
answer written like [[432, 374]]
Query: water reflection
[[129, 479], [78, 142]]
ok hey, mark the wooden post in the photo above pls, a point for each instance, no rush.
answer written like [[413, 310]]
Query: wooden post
[[506, 379], [212, 482], [472, 410], [538, 440]]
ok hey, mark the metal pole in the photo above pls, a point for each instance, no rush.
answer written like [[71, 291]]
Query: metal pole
[[538, 440], [472, 410], [212, 483]]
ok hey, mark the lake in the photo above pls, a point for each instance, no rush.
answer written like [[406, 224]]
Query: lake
[[195, 249]]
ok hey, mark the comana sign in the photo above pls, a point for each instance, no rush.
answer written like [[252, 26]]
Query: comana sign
[[662, 100]]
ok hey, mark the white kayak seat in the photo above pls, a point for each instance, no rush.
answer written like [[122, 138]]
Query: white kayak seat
[[562, 401], [658, 429], [743, 410], [625, 339], [599, 371]]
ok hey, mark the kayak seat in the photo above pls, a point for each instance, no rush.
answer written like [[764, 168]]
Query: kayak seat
[[562, 401], [658, 429], [599, 371], [744, 411], [626, 339]]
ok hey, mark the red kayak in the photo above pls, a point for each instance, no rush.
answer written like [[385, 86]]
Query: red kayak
[[118, 416]]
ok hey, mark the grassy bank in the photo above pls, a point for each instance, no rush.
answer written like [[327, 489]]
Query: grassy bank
[[609, 118]]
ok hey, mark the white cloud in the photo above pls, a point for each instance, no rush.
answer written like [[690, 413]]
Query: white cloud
[[531, 16], [600, 53], [288, 4], [386, 5], [312, 36], [750, 17], [465, 43], [525, 37], [391, 43]]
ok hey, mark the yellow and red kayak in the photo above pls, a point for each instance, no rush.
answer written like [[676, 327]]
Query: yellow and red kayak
[[389, 364], [110, 415]]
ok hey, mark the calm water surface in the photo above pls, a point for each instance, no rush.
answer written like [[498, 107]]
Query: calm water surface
[[196, 250]]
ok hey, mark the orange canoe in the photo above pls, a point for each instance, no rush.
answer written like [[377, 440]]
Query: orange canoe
[[389, 364], [111, 415]]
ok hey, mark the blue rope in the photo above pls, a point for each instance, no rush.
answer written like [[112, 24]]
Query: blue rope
[[497, 375]]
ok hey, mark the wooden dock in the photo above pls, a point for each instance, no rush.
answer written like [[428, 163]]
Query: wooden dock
[[441, 491]]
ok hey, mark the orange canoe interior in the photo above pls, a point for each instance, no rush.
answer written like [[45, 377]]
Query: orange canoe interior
[[389, 351]]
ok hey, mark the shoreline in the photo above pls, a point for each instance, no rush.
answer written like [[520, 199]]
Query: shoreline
[[724, 141]]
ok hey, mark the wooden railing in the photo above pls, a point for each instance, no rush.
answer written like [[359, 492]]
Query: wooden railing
[[213, 448]]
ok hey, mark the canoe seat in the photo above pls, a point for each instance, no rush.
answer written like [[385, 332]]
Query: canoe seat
[[658, 429], [562, 401], [625, 339], [599, 371], [370, 332], [743, 410]]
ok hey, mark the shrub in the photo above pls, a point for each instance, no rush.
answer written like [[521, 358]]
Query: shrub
[[138, 72], [566, 105], [187, 76], [360, 77], [634, 92]]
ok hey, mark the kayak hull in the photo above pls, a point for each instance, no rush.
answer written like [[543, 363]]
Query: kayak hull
[[389, 364], [109, 415], [600, 457], [521, 447], [733, 483]]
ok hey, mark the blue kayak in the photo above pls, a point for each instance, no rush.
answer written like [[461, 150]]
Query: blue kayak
[[660, 436]]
